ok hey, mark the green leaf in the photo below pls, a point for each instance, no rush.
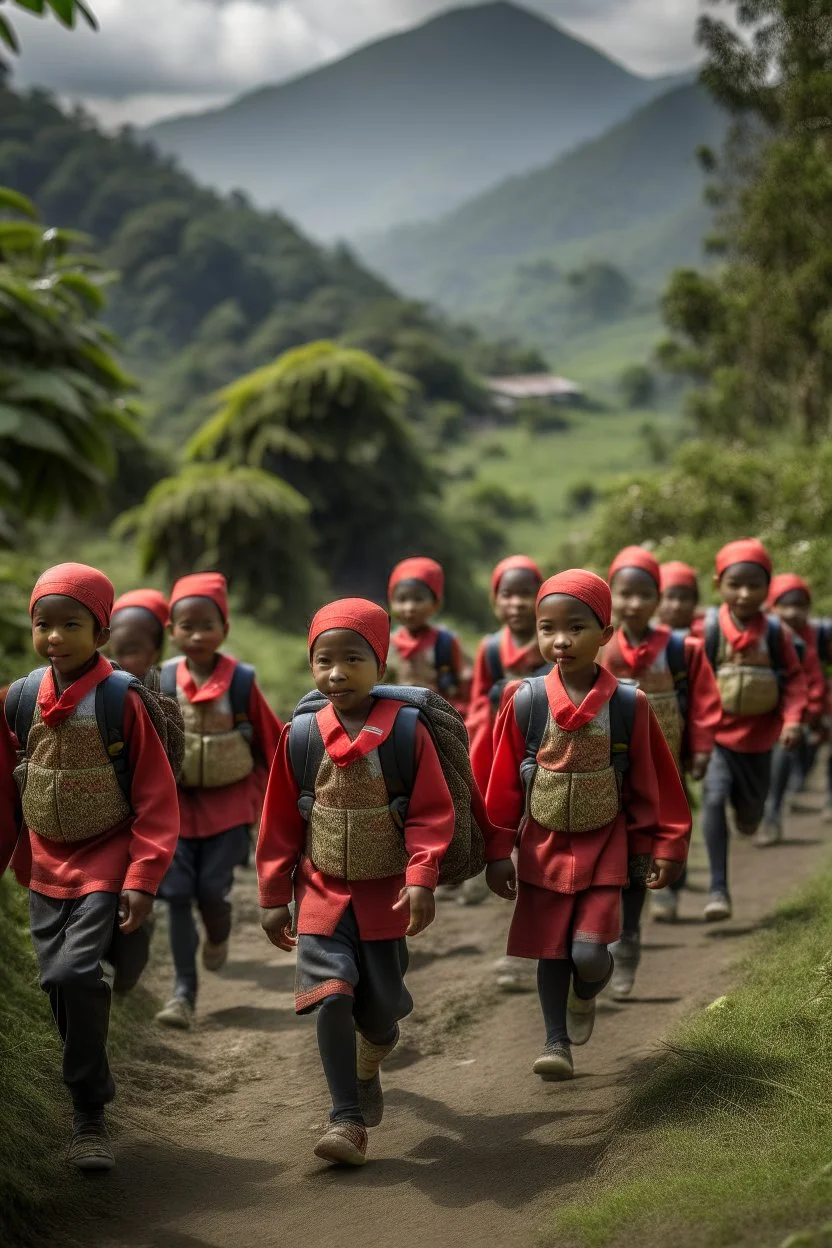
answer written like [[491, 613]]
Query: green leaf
[[33, 6], [47, 388], [87, 14], [16, 202], [64, 10], [7, 35]]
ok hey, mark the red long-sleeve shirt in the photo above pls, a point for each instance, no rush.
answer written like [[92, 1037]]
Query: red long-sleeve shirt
[[482, 716], [815, 678], [756, 734], [283, 868], [135, 855], [654, 819]]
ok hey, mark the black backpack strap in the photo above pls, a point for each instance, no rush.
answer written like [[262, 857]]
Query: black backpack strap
[[110, 697], [622, 718], [677, 662], [443, 661], [306, 753], [397, 755], [776, 650], [531, 710], [167, 677], [21, 700], [712, 636], [242, 683], [493, 657]]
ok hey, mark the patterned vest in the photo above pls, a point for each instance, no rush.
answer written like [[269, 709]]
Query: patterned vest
[[747, 683], [69, 790], [216, 753], [575, 788], [659, 687], [351, 833]]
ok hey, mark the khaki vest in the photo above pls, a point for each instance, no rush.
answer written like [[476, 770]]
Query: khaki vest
[[216, 753], [351, 833], [747, 683], [575, 788], [69, 790]]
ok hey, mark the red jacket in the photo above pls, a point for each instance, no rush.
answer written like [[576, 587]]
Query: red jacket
[[815, 678], [756, 734], [482, 715]]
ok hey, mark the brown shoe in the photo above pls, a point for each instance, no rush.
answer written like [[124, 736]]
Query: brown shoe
[[90, 1149], [214, 957], [343, 1144], [555, 1063]]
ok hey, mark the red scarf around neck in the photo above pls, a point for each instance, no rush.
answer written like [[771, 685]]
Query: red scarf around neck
[[217, 684], [53, 709], [407, 645], [519, 658], [377, 728], [565, 713], [641, 656], [742, 638]]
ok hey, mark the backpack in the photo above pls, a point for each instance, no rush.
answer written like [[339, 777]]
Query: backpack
[[774, 643], [499, 679], [675, 653], [443, 661], [110, 696], [239, 693], [823, 633], [465, 856]]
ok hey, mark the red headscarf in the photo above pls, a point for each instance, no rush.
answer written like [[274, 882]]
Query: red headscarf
[[428, 571], [211, 585], [677, 575], [521, 563], [586, 587], [79, 581], [149, 599], [361, 616], [787, 583], [746, 550], [635, 557]]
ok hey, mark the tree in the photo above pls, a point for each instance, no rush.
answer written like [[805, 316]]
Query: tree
[[66, 11], [637, 384]]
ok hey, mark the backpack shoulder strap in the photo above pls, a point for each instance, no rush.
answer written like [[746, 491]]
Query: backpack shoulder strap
[[21, 701], [306, 753], [712, 636], [443, 660], [242, 683], [531, 710], [493, 657], [677, 662], [167, 677], [110, 697], [622, 718], [397, 755]]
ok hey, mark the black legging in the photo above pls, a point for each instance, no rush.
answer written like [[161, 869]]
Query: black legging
[[592, 966], [336, 1044]]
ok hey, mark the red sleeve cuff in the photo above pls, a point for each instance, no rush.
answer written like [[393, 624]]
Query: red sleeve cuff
[[500, 845], [278, 895], [422, 877], [674, 850], [141, 883]]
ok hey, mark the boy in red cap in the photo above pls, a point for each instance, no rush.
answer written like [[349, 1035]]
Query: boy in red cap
[[678, 608], [137, 630], [422, 654], [589, 807], [673, 671], [91, 858], [231, 735], [791, 599], [352, 918], [764, 698]]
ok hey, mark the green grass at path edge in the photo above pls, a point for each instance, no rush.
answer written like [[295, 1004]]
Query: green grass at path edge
[[723, 1140]]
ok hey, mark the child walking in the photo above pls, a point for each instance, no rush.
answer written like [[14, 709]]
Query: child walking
[[673, 671], [422, 654], [361, 884], [231, 735], [679, 604], [764, 698], [583, 772], [137, 630], [91, 858]]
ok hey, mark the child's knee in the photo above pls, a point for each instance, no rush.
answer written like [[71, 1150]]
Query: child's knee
[[591, 962]]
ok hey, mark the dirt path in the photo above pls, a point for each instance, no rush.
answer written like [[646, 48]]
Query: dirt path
[[474, 1149]]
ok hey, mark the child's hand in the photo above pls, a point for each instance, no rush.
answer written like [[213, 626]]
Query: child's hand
[[277, 924], [133, 909], [501, 878], [422, 907], [664, 872], [791, 736], [699, 765]]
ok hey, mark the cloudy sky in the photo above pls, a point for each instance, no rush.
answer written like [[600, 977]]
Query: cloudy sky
[[152, 58]]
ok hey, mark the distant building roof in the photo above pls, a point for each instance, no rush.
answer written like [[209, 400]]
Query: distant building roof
[[534, 386]]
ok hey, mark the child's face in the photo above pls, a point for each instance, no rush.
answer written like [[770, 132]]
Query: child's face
[[413, 605], [678, 606], [345, 668], [744, 587], [569, 633], [516, 596], [198, 629], [635, 597], [793, 608], [66, 634], [135, 643]]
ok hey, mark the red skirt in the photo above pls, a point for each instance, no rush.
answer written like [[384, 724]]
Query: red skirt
[[545, 923]]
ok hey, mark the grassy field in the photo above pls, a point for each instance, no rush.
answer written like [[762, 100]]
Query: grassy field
[[728, 1140]]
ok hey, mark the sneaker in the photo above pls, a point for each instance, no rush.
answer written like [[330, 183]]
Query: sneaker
[[580, 1017], [90, 1149], [626, 953], [473, 892], [516, 974], [555, 1063], [214, 957], [770, 833], [664, 906], [717, 907], [178, 1013], [370, 1094], [343, 1144]]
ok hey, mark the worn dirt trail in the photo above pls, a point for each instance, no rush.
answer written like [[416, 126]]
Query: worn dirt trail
[[217, 1125]]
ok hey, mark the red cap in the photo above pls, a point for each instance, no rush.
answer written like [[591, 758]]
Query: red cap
[[513, 563], [635, 557], [428, 571], [677, 575], [150, 599], [79, 581], [787, 583], [586, 587], [211, 585], [746, 550], [361, 616]]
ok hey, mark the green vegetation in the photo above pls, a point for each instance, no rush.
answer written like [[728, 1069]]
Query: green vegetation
[[727, 1139], [66, 11]]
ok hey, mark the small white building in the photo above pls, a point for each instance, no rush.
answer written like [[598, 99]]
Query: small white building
[[509, 391]]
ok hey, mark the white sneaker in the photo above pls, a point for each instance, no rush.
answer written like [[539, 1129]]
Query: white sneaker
[[664, 906], [717, 908], [580, 1017], [214, 957], [626, 953], [178, 1013], [770, 833]]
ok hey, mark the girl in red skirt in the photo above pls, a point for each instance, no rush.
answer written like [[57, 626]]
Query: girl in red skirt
[[593, 804]]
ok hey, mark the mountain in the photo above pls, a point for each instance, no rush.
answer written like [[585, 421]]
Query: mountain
[[408, 127], [633, 198]]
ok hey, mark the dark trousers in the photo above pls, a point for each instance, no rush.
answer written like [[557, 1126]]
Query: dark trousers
[[202, 871], [743, 780], [72, 939]]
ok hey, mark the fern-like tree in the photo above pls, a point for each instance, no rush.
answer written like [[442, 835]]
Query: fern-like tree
[[66, 11]]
